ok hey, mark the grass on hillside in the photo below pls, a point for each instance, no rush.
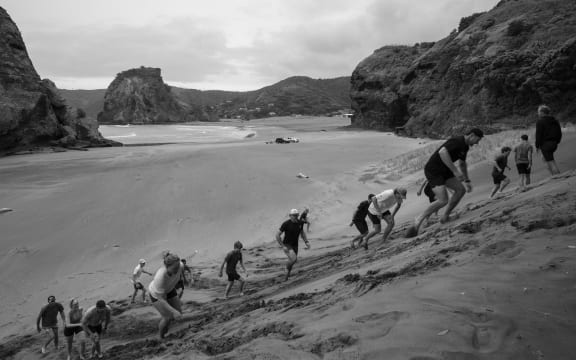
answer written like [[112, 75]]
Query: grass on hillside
[[411, 162]]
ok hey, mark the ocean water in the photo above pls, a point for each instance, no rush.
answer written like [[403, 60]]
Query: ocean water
[[176, 133]]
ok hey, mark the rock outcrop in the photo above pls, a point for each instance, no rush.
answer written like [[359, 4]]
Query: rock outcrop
[[493, 72], [140, 96], [32, 112]]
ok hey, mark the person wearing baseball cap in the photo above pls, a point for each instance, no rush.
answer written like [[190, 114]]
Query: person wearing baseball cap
[[292, 229], [442, 174], [379, 209], [138, 270]]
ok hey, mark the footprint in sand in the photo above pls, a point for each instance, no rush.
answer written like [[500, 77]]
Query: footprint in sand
[[386, 321], [498, 248]]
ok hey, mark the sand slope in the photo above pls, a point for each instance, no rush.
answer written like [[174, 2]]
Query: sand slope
[[498, 283]]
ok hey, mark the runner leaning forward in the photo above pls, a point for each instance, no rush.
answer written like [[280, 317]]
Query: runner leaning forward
[[163, 294], [136, 274], [359, 220], [379, 209], [95, 324], [442, 174], [292, 229]]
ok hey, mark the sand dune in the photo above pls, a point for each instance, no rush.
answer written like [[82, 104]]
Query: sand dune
[[496, 283]]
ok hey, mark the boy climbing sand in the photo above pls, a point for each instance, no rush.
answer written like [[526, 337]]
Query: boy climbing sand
[[232, 259]]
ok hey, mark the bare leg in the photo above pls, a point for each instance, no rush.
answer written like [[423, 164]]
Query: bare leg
[[82, 347], [292, 258], [134, 295], [242, 282], [522, 182], [554, 167], [143, 295], [165, 308], [69, 340], [49, 340], [459, 192], [505, 183], [527, 179], [494, 190], [228, 288], [389, 226], [377, 229], [441, 201]]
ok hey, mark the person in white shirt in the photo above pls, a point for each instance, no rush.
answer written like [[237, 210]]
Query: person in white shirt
[[138, 270], [379, 209], [163, 294]]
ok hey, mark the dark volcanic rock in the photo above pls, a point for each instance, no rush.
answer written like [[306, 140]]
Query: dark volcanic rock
[[493, 73], [140, 96], [32, 111]]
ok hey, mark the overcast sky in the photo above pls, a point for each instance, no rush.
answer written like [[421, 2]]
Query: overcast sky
[[222, 44]]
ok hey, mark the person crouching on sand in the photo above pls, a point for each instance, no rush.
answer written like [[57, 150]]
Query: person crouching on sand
[[379, 209], [442, 174], [359, 220], [138, 270], [74, 327], [232, 259], [292, 229], [49, 318], [95, 324], [500, 164], [163, 294]]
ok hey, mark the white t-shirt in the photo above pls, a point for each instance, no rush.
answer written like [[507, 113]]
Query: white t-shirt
[[164, 283], [386, 200], [137, 272]]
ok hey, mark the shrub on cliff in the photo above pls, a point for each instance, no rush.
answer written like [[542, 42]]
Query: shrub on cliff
[[517, 27], [466, 21]]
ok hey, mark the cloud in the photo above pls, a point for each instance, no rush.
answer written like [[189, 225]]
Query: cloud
[[242, 45]]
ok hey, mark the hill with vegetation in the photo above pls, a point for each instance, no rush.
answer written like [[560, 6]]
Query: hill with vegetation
[[493, 72]]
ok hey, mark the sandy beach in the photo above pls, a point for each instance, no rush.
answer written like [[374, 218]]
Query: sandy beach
[[498, 283]]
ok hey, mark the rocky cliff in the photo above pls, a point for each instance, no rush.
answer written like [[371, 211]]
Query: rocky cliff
[[491, 72], [140, 96], [32, 111]]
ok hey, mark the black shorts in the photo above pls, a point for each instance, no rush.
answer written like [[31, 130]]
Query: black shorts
[[429, 193], [548, 149], [179, 285], [95, 329], [170, 295], [233, 276], [71, 330], [523, 169], [498, 177], [138, 286], [376, 219], [361, 225], [439, 176], [293, 248]]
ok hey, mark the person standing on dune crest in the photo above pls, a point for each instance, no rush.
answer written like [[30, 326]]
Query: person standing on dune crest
[[293, 230], [548, 136], [442, 174]]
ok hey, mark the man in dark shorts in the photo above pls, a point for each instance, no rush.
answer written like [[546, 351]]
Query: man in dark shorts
[[232, 259], [292, 229], [442, 174], [49, 318], [523, 158], [548, 136], [95, 323], [359, 220], [138, 270], [500, 164]]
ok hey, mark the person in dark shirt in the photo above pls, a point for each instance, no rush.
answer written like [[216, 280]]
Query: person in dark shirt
[[359, 220], [442, 175], [304, 219], [548, 136], [292, 229], [49, 318], [500, 164], [232, 259]]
